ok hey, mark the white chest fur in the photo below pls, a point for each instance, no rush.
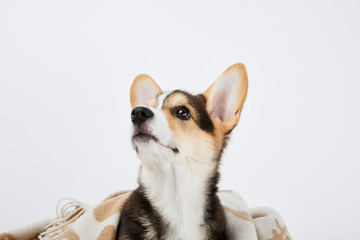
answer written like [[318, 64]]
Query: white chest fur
[[178, 193]]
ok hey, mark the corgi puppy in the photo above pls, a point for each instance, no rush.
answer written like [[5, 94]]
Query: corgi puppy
[[179, 138]]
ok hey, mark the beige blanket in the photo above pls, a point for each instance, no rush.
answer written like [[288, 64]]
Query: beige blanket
[[79, 221]]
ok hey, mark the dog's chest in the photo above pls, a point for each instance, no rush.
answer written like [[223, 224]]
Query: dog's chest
[[185, 224], [181, 204]]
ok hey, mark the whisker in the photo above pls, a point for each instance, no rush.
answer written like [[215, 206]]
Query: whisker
[[209, 145], [193, 159], [192, 173]]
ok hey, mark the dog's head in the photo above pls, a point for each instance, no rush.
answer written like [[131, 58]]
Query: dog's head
[[178, 127]]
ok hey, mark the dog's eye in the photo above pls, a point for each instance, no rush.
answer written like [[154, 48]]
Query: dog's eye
[[183, 113]]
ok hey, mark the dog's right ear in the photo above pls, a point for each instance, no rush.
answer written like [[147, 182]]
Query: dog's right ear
[[143, 91]]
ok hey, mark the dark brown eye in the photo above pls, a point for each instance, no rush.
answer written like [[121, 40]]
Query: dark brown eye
[[183, 113]]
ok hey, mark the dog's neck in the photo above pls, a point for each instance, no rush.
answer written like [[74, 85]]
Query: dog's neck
[[181, 192]]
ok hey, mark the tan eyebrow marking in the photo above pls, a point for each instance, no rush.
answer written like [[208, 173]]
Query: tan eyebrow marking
[[175, 98]]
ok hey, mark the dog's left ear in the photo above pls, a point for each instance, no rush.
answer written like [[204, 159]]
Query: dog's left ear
[[226, 96], [143, 91]]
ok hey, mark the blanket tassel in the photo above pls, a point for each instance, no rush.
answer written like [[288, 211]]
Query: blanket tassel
[[66, 215]]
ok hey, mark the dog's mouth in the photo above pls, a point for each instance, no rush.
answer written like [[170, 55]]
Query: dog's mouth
[[146, 137], [142, 135]]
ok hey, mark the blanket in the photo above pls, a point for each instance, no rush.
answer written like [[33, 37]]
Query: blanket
[[79, 221]]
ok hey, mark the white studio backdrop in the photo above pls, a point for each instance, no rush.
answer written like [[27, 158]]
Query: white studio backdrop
[[65, 72]]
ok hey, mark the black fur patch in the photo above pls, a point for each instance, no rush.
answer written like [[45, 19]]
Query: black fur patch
[[138, 209], [214, 215]]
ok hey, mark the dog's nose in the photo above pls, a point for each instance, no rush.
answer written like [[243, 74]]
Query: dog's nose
[[140, 115]]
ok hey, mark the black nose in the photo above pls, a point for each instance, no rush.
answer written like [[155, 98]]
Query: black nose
[[140, 115]]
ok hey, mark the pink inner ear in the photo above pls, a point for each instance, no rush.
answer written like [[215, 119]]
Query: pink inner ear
[[225, 95], [219, 108]]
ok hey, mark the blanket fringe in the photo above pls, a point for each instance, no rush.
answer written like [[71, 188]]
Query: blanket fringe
[[66, 215]]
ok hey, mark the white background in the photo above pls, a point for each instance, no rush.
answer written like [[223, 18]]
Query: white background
[[65, 72]]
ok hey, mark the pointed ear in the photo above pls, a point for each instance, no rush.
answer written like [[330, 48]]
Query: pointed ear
[[143, 91], [226, 96]]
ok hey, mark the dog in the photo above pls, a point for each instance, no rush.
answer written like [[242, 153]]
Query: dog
[[179, 138]]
